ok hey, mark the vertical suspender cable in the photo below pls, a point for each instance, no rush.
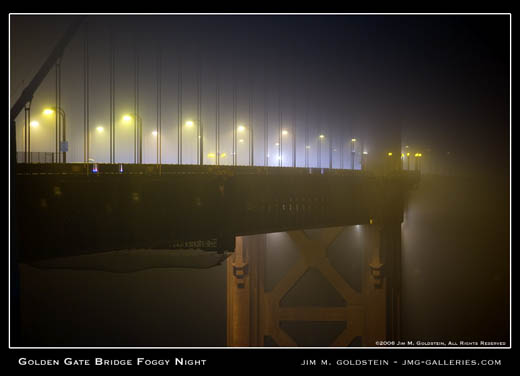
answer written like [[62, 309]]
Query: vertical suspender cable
[[318, 149], [217, 120], [280, 150], [179, 114], [307, 132], [331, 129], [86, 98], [266, 124], [136, 119], [27, 138], [56, 114], [294, 134], [112, 97], [159, 108], [234, 121], [138, 122], [251, 125], [200, 148]]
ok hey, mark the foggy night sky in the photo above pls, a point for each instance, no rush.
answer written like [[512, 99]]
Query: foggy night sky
[[445, 78]]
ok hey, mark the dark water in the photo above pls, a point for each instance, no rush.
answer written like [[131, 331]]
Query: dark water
[[455, 282]]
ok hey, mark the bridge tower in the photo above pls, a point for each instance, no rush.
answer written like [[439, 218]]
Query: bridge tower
[[372, 314]]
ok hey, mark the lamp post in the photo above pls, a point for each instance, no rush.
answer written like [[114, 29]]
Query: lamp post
[[364, 160], [138, 135], [352, 153], [418, 161], [62, 140], [318, 160], [200, 139]]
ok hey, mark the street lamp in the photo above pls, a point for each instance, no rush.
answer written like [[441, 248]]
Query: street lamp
[[62, 142], [138, 130], [199, 139], [318, 150], [352, 153], [418, 161]]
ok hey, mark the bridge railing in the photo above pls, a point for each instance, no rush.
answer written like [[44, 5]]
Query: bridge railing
[[46, 166], [35, 157]]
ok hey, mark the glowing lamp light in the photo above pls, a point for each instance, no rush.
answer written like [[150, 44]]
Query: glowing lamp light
[[276, 144], [354, 140], [189, 123], [322, 136], [241, 140], [365, 152], [307, 147], [127, 118], [223, 155], [154, 133], [284, 132], [34, 124], [211, 155], [48, 111], [407, 154], [390, 154], [241, 128], [100, 129]]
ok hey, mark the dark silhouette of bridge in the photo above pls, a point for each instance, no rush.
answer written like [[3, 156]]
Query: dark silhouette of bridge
[[67, 208]]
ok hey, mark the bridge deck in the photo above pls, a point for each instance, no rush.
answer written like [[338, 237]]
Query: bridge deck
[[67, 209]]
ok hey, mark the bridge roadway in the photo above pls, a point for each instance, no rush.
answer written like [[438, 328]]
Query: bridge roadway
[[70, 209]]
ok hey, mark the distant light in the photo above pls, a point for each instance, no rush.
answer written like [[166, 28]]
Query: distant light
[[322, 136], [154, 133], [284, 132], [354, 140], [406, 146], [390, 154], [241, 140], [127, 118], [407, 154], [241, 128], [277, 144], [189, 123], [34, 124], [48, 111], [307, 147], [402, 155], [333, 149], [95, 168], [279, 158], [418, 154], [211, 155], [371, 221], [222, 155], [365, 152], [100, 129]]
